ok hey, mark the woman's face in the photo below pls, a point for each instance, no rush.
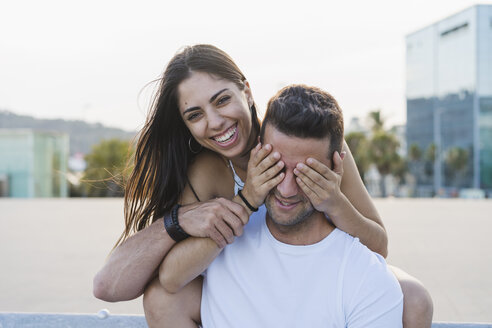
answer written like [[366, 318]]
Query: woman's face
[[216, 112]]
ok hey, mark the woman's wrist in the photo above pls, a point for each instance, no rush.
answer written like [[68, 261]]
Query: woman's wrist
[[246, 202], [339, 209], [252, 199], [172, 226]]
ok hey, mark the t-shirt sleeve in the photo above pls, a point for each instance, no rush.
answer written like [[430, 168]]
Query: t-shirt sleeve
[[372, 295]]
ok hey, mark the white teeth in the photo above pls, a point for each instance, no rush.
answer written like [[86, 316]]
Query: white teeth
[[226, 136], [285, 204]]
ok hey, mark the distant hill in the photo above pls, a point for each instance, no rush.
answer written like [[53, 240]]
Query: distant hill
[[83, 135]]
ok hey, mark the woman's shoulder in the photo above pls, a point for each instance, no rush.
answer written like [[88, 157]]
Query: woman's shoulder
[[209, 175], [208, 161]]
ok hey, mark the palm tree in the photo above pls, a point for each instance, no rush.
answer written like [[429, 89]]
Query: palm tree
[[376, 120], [456, 162], [415, 160], [358, 144], [430, 153], [383, 153], [429, 159], [414, 153], [383, 149]]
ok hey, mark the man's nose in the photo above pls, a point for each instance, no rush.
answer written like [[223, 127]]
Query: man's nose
[[288, 187]]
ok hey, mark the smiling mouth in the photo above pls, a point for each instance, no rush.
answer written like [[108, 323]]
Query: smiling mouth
[[226, 136], [286, 205]]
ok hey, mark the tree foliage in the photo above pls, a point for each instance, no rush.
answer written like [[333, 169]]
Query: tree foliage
[[383, 149], [457, 159], [106, 170], [456, 165], [414, 153], [376, 120], [357, 143], [430, 153]]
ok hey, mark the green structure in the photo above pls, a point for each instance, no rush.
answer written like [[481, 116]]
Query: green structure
[[33, 163]]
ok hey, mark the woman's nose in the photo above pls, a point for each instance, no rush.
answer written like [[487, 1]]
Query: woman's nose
[[215, 120]]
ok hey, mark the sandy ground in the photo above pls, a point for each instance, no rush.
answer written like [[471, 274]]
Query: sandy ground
[[50, 250]]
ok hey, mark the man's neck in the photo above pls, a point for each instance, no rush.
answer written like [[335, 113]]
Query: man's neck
[[310, 231]]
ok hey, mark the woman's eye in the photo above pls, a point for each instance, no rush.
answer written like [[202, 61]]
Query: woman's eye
[[193, 116], [223, 100]]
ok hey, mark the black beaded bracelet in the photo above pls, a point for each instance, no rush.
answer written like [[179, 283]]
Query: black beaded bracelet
[[251, 207], [171, 224]]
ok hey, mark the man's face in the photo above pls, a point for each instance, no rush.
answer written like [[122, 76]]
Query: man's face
[[287, 205]]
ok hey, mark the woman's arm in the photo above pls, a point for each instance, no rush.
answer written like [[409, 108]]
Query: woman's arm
[[189, 258], [132, 264], [345, 200], [359, 215]]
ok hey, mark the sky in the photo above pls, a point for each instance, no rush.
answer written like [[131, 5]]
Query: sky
[[95, 60]]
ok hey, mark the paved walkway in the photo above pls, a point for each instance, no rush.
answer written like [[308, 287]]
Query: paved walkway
[[51, 248]]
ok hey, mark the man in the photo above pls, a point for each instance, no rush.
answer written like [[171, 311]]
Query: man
[[292, 267]]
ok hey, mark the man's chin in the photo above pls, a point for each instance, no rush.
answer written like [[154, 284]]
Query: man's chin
[[287, 218]]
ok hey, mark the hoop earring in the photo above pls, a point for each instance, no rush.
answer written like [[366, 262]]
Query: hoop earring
[[191, 149]]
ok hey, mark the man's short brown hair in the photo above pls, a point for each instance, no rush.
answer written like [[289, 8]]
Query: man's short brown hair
[[306, 112]]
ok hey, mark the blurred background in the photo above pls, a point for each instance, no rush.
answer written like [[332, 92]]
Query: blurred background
[[414, 79]]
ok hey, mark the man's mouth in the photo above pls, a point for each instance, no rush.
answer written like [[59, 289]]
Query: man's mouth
[[286, 205], [227, 136]]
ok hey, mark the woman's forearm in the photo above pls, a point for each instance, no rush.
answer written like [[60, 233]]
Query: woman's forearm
[[355, 212], [370, 233], [186, 261], [132, 264], [191, 257]]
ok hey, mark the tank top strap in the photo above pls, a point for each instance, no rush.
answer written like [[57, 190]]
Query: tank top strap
[[193, 190], [238, 183]]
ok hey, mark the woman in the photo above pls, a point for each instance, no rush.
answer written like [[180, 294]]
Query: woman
[[205, 101]]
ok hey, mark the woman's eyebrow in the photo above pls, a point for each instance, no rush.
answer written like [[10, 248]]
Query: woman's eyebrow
[[216, 95], [210, 101], [190, 109]]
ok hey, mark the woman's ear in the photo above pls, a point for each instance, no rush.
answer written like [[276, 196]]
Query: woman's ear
[[248, 93]]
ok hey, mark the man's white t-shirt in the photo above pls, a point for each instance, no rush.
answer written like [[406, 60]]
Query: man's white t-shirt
[[258, 281]]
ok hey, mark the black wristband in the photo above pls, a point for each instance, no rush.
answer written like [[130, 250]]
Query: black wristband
[[251, 207], [172, 226]]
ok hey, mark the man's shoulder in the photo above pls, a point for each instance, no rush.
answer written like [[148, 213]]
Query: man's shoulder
[[368, 281], [362, 262]]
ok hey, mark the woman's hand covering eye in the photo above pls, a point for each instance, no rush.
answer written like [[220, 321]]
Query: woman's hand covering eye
[[264, 173]]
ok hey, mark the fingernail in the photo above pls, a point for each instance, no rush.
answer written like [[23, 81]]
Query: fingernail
[[268, 147], [276, 155], [342, 155], [300, 166], [296, 171], [309, 161]]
